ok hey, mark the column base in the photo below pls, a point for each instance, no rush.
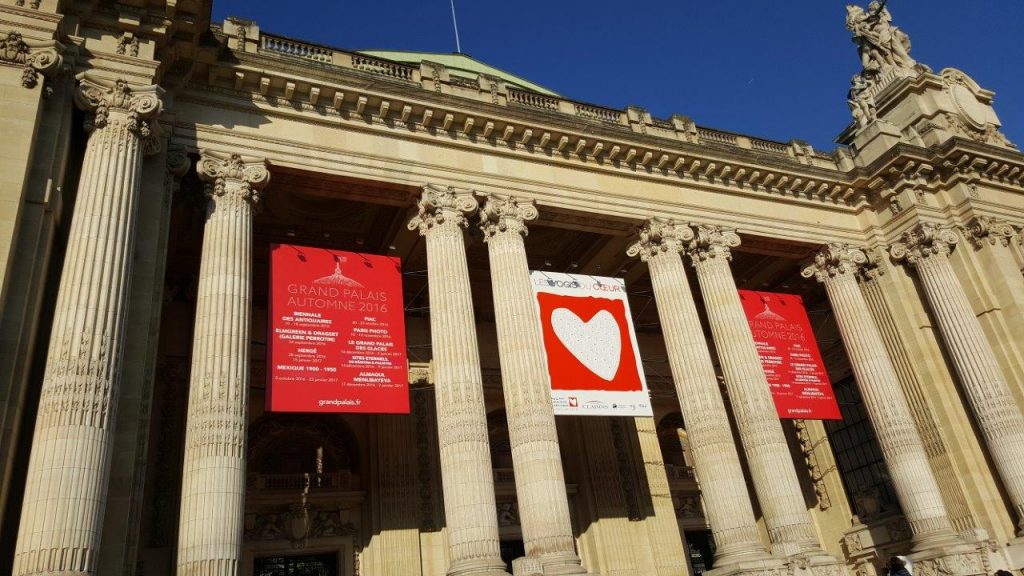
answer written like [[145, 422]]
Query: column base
[[479, 567], [766, 566], [557, 564]]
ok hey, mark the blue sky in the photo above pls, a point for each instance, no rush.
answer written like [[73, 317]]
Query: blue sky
[[777, 70]]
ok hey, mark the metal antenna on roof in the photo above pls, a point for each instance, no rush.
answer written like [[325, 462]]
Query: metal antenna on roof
[[455, 24]]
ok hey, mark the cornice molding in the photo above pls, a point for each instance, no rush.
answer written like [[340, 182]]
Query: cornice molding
[[684, 162]]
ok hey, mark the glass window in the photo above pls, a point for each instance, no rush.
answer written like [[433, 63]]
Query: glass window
[[858, 456]]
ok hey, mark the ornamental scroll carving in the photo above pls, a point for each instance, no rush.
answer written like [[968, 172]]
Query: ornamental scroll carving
[[833, 260], [118, 104], [986, 229], [712, 242], [440, 204], [506, 214], [35, 57], [924, 241], [660, 236], [232, 177]]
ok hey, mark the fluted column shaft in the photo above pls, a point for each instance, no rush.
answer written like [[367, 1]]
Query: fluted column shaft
[[540, 482], [926, 248], [771, 465], [835, 266], [715, 459], [213, 482], [69, 467], [466, 473]]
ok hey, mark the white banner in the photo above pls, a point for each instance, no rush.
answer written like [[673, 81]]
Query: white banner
[[592, 356]]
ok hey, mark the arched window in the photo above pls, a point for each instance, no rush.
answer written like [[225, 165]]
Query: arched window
[[287, 451]]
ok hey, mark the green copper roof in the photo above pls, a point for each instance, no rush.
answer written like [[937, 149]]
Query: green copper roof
[[457, 65]]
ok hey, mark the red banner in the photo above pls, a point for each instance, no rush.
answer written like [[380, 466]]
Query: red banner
[[337, 332], [790, 356]]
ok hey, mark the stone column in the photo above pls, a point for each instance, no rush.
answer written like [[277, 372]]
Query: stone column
[[466, 474], [69, 467], [213, 479], [836, 266], [715, 458], [926, 248], [768, 456], [540, 482]]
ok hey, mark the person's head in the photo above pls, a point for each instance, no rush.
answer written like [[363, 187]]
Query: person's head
[[895, 563], [1003, 573]]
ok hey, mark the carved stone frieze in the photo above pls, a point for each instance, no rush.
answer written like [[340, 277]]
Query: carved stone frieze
[[128, 45], [688, 506], [966, 564], [958, 125], [506, 214], [508, 514], [297, 524]]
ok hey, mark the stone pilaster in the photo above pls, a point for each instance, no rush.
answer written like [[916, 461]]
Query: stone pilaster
[[540, 483], [836, 267], [395, 546], [993, 282], [213, 480], [771, 466], [663, 527], [466, 474], [69, 466], [950, 486], [716, 460], [926, 248]]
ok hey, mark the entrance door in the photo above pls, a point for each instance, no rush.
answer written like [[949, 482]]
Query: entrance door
[[307, 565], [510, 550], [702, 550]]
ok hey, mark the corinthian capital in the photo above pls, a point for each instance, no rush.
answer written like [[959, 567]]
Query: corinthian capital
[[505, 214], [660, 236], [118, 102], [440, 204], [711, 242], [232, 176], [924, 241], [833, 260], [992, 230]]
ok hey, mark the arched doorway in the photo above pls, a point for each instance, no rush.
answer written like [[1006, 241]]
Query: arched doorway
[[303, 497]]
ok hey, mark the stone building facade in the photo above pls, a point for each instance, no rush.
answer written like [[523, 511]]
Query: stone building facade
[[151, 156]]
